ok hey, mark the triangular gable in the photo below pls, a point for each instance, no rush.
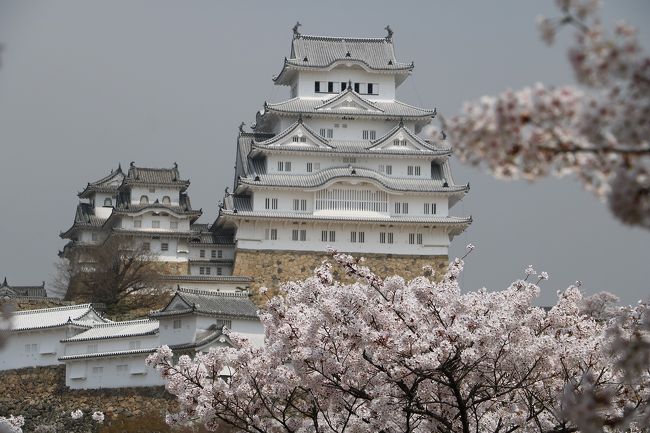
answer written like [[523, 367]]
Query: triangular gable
[[348, 100], [400, 138], [296, 135], [177, 304]]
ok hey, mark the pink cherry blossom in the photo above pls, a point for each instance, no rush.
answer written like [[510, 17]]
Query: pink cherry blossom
[[599, 133], [392, 355]]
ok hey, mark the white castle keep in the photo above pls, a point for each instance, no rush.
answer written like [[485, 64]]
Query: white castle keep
[[341, 162]]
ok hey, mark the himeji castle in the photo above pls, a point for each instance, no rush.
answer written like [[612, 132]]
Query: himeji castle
[[150, 208], [340, 164]]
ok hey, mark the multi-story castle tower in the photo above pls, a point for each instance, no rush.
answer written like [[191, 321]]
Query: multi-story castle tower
[[340, 164], [148, 207]]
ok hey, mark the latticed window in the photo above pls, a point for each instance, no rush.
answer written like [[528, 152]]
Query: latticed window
[[430, 208], [360, 200]]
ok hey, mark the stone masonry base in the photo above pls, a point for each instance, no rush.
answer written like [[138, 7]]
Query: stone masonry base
[[272, 268]]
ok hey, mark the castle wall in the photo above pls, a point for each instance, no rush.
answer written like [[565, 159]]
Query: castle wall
[[271, 268]]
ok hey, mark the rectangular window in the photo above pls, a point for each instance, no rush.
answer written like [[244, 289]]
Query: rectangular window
[[155, 224], [208, 270], [430, 208], [98, 370], [152, 189], [412, 238], [353, 237], [178, 323], [31, 348], [137, 224], [271, 203], [419, 239], [299, 235], [373, 88], [213, 254], [219, 270], [356, 87], [330, 133], [173, 224], [287, 166], [316, 166], [330, 87], [417, 170], [382, 238], [322, 132], [134, 345], [398, 208], [310, 167], [405, 208], [202, 270], [280, 165], [146, 246], [389, 169], [164, 246], [390, 238], [219, 254], [409, 170], [332, 236], [202, 254], [300, 204], [317, 86], [94, 236], [343, 86], [362, 237], [323, 236], [274, 234]]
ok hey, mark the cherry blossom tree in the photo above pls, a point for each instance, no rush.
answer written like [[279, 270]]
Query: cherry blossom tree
[[598, 131], [397, 356]]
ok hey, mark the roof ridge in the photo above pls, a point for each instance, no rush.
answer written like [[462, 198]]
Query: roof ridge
[[344, 38], [61, 308], [242, 294], [124, 322]]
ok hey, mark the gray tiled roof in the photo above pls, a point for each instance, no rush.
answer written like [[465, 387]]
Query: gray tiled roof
[[389, 110], [117, 329], [365, 147], [155, 176], [131, 208], [53, 317], [322, 177], [84, 218], [116, 353], [22, 291], [109, 183], [375, 54], [294, 216], [243, 164], [162, 233], [213, 303], [207, 278]]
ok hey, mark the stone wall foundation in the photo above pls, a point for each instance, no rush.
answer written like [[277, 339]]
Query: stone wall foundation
[[272, 268]]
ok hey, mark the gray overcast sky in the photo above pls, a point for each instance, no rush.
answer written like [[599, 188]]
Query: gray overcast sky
[[87, 84]]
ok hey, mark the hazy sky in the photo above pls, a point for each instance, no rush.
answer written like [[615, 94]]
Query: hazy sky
[[85, 85]]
